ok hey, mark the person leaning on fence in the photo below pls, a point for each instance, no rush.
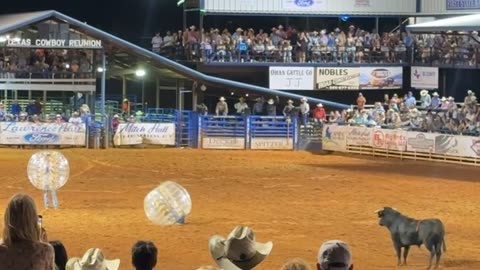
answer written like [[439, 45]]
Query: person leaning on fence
[[259, 106], [319, 114], [289, 109], [241, 106], [202, 109], [157, 42], [304, 110], [222, 107], [425, 99], [272, 106], [435, 104]]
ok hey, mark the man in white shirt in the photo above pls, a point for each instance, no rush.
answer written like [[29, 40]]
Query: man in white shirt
[[304, 110], [241, 106], [75, 119], [157, 42], [168, 44]]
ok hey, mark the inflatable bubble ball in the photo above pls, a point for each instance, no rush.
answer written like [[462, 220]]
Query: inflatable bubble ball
[[168, 204], [48, 170]]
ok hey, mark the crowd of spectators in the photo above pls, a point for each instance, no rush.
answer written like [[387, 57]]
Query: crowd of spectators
[[45, 63], [429, 113], [352, 45], [24, 245]]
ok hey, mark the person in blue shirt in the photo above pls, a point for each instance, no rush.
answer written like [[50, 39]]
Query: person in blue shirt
[[410, 101], [242, 49], [15, 110], [435, 101]]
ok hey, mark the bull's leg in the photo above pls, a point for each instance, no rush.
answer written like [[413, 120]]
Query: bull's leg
[[405, 254], [398, 249], [431, 248], [438, 251]]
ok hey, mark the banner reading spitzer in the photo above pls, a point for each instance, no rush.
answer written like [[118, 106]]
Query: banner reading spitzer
[[292, 78], [22, 133], [145, 133], [338, 78]]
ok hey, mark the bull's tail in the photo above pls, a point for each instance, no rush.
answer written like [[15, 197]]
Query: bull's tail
[[444, 246]]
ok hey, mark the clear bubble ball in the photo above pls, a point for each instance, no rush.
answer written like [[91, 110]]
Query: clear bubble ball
[[168, 204], [48, 170]]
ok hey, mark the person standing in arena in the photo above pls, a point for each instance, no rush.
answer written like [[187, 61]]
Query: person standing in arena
[[304, 110], [241, 106], [272, 106], [222, 107]]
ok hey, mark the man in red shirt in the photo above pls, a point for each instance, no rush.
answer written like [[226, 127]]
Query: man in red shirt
[[319, 114]]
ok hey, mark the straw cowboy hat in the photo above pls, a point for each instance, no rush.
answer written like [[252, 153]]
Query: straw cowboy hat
[[304, 99], [192, 27], [239, 30], [451, 98], [320, 105], [93, 259], [444, 99], [423, 92], [239, 251], [290, 101], [435, 94], [222, 99], [271, 102], [469, 92]]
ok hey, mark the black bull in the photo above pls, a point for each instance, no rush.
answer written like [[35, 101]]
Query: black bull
[[406, 232]]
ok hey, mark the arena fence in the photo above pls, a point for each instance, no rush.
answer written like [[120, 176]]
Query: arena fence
[[458, 149]]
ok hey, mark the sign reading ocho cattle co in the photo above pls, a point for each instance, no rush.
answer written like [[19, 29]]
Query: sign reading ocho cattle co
[[223, 143], [292, 78], [55, 43], [272, 143]]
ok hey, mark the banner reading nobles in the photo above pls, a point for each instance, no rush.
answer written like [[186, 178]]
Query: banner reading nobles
[[338, 78], [27, 133], [292, 78], [145, 133]]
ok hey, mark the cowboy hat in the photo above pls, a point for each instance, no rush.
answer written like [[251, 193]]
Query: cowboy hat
[[303, 99], [239, 251], [451, 98], [320, 105], [192, 27], [444, 99], [270, 101], [435, 94], [290, 101], [424, 92], [221, 99], [469, 92], [92, 259], [239, 30], [116, 116]]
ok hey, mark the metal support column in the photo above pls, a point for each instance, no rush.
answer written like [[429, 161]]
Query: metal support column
[[377, 22], [194, 98], [124, 87], [44, 97], [157, 93], [201, 27], [444, 82], [103, 90], [29, 94]]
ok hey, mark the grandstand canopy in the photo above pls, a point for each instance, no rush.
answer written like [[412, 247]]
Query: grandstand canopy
[[458, 24], [124, 57]]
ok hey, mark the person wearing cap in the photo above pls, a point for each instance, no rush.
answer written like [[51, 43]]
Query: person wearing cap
[[410, 101], [144, 255], [75, 119], [222, 107], [304, 110], [319, 114], [241, 106], [334, 255], [239, 251], [361, 101], [425, 99], [59, 119], [92, 259], [435, 101]]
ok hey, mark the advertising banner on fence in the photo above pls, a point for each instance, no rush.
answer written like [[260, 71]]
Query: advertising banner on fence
[[463, 4], [420, 142], [334, 138], [272, 143], [292, 78], [305, 5], [223, 143], [390, 139], [338, 78], [14, 133], [361, 136], [145, 133], [424, 77], [468, 146], [381, 77]]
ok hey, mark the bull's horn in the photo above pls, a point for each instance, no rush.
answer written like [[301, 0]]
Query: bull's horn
[[394, 209], [376, 211]]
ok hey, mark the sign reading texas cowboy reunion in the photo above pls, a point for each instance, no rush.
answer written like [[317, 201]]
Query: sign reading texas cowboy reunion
[[27, 133]]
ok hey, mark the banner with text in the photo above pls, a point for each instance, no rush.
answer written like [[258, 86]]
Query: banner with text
[[292, 78], [338, 78], [424, 77], [334, 138], [145, 133], [27, 133], [223, 143], [381, 77], [390, 139], [272, 143], [361, 136], [463, 4], [420, 142], [305, 5]]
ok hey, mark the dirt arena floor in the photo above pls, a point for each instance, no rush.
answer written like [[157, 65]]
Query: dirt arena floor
[[295, 199]]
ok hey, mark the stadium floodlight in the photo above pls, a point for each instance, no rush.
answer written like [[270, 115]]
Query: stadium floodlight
[[179, 3], [100, 69], [140, 73], [67, 66]]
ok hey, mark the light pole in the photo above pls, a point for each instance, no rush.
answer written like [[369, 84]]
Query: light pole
[[141, 74]]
